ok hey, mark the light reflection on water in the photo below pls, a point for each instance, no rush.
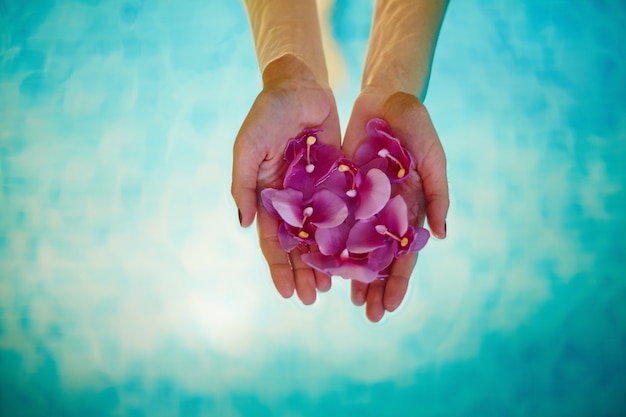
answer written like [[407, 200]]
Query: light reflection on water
[[127, 287]]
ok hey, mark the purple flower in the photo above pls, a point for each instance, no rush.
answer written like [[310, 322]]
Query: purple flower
[[389, 227], [310, 162], [344, 207], [301, 217], [365, 195], [383, 151], [335, 259]]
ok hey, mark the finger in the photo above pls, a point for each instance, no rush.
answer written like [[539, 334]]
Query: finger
[[374, 309], [276, 258], [322, 280], [398, 281], [304, 278], [358, 293]]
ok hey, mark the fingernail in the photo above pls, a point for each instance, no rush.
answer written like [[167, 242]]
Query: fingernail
[[239, 213], [445, 228]]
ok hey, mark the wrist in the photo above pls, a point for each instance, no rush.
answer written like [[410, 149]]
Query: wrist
[[289, 67]]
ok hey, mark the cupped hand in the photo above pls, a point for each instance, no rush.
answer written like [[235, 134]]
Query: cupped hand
[[425, 191], [291, 100]]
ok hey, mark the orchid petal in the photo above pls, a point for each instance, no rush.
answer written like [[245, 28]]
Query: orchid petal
[[355, 272], [331, 241], [266, 198], [334, 266], [395, 216], [286, 238], [376, 126], [288, 204], [381, 258], [298, 144], [329, 210], [420, 239], [297, 178], [337, 183], [364, 238], [366, 152], [374, 193]]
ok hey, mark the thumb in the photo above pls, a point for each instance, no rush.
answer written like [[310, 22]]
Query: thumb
[[246, 162], [365, 108]]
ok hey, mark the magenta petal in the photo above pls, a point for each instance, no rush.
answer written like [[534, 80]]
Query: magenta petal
[[288, 204], [332, 241], [297, 178], [374, 193], [364, 238], [376, 126], [355, 272], [395, 216], [285, 238], [326, 264], [332, 265], [329, 210], [381, 258], [297, 144], [366, 152], [420, 239], [266, 198]]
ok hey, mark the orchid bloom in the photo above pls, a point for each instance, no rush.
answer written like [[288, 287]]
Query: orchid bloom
[[310, 162], [384, 151], [335, 259], [389, 227], [344, 207], [301, 217], [367, 194]]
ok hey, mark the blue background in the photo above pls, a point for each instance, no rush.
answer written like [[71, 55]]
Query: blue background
[[127, 287]]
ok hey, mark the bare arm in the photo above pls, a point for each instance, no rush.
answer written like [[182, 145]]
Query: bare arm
[[401, 47], [287, 27]]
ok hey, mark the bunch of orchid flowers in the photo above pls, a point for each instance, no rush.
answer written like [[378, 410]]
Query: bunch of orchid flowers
[[345, 206]]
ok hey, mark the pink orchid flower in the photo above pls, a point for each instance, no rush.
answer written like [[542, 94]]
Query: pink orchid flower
[[335, 259], [303, 217], [389, 227], [365, 195], [383, 151], [310, 162]]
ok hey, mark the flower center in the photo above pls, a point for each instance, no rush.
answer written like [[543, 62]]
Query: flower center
[[345, 168], [306, 213], [310, 141], [383, 230], [384, 153]]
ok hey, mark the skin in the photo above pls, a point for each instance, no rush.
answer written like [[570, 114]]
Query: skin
[[296, 95]]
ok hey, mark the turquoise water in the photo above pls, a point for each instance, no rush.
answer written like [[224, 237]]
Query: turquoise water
[[128, 289]]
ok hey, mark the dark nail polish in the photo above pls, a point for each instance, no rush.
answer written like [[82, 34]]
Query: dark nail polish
[[445, 227], [239, 213]]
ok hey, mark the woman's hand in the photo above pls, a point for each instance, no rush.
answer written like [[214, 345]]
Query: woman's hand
[[291, 101], [425, 191]]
